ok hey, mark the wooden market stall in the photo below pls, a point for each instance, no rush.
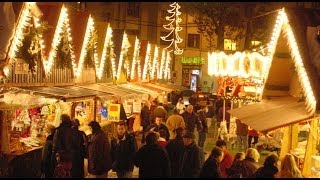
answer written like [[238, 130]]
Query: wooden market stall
[[290, 98]]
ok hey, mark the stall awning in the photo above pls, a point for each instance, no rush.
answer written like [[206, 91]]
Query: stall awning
[[272, 114]]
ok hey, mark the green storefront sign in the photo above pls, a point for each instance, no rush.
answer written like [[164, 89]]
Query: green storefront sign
[[192, 60]]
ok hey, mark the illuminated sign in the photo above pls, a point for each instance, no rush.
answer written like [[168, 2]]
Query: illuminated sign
[[192, 60]]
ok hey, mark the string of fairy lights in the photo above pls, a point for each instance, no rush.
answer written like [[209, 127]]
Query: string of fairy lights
[[63, 25]]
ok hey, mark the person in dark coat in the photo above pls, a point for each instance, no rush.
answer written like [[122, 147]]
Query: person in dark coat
[[191, 119], [157, 126], [47, 167], [211, 167], [123, 148], [99, 155], [159, 111], [151, 159], [204, 127], [193, 157], [79, 154], [227, 159], [175, 149], [145, 119], [269, 168], [64, 143]]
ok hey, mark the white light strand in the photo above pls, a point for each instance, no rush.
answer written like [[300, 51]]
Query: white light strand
[[146, 62], [155, 62], [162, 63], [124, 51], [174, 18], [84, 49], [167, 69], [135, 58], [107, 44]]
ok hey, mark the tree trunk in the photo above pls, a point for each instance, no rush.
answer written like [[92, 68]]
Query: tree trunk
[[220, 38]]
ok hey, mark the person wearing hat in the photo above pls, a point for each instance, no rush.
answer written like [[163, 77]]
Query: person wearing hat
[[193, 157], [99, 155]]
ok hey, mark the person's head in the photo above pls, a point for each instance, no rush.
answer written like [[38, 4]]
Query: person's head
[[50, 129], [190, 109], [188, 138], [158, 120], [179, 132], [239, 156], [154, 102], [217, 153], [122, 128], [147, 104], [253, 154], [95, 126], [152, 138], [271, 160], [289, 166], [65, 118], [222, 144], [162, 133]]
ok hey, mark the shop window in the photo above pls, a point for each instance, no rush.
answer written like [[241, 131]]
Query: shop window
[[230, 45], [255, 43], [133, 9], [163, 34], [194, 40]]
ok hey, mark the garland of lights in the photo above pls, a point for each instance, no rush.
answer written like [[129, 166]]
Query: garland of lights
[[146, 62], [162, 63], [107, 59], [174, 27], [167, 69], [63, 52], [135, 58], [90, 58], [235, 99], [155, 62], [124, 53]]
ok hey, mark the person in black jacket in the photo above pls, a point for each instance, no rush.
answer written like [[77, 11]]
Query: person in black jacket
[[123, 148], [191, 119], [211, 168], [204, 127], [269, 168], [145, 119], [193, 157], [175, 149], [157, 126], [151, 159], [47, 167]]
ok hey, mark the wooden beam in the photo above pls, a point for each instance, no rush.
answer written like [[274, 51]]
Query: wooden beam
[[310, 148]]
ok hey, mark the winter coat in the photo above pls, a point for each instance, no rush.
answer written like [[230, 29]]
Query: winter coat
[[226, 163], [145, 117], [192, 161], [211, 169], [266, 172], [153, 162], [245, 168], [99, 155], [79, 154], [174, 122], [158, 128], [253, 133], [47, 167], [175, 149], [122, 153], [203, 122], [191, 121]]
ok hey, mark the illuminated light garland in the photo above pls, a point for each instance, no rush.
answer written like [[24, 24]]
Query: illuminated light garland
[[87, 36], [146, 62], [155, 62], [162, 63], [174, 18], [124, 51], [282, 23], [167, 69], [107, 43], [63, 22], [18, 35], [139, 68], [135, 59], [236, 65]]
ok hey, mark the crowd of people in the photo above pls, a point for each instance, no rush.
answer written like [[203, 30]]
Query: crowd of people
[[168, 149]]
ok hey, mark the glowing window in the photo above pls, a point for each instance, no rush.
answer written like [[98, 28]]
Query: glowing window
[[230, 45]]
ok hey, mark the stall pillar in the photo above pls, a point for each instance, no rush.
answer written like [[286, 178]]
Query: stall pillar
[[290, 139], [311, 148]]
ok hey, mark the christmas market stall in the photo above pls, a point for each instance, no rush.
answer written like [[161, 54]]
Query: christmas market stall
[[289, 104]]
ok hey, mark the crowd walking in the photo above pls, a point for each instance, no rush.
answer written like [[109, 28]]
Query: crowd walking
[[171, 146]]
